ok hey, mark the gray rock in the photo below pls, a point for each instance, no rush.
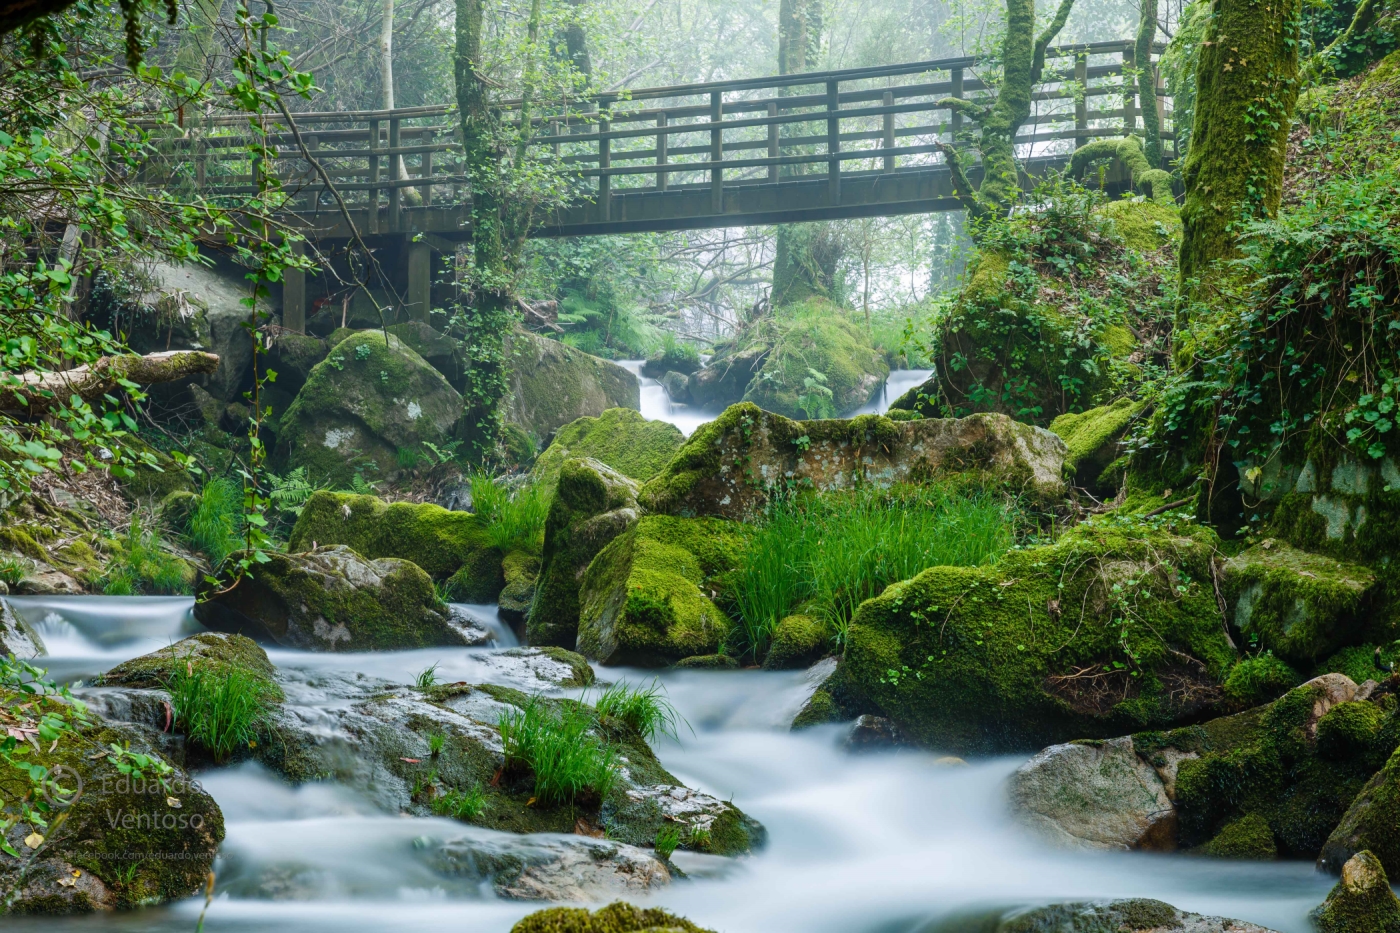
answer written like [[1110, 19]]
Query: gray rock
[[874, 734], [555, 868], [43, 580], [1136, 915], [1094, 796], [213, 296], [552, 384], [16, 635], [677, 386], [725, 380]]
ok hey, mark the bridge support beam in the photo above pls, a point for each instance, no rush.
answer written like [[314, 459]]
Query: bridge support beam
[[294, 294], [420, 281]]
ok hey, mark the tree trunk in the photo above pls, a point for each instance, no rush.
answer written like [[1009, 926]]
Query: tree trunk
[[1247, 87], [1147, 84], [797, 275], [196, 52], [386, 55]]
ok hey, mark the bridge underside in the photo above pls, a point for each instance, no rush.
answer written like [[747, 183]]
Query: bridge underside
[[793, 200]]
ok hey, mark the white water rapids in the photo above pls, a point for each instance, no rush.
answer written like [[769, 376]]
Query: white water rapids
[[886, 843]]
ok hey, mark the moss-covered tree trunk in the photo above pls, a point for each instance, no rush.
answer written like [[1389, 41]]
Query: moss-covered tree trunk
[[801, 269], [487, 314], [1147, 84], [1247, 86], [1023, 61]]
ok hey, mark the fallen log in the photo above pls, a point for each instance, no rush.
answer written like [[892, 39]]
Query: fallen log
[[35, 393]]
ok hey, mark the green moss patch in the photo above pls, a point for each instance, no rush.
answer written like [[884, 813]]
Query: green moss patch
[[615, 918], [819, 363], [217, 652], [619, 437]]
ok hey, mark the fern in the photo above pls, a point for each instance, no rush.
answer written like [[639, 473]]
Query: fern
[[363, 487], [289, 493]]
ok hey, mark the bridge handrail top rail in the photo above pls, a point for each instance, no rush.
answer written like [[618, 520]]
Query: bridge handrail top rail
[[678, 90]]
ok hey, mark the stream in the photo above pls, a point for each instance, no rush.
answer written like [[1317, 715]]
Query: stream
[[874, 843]]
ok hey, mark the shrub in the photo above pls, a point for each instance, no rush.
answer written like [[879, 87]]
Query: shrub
[[558, 746], [214, 525], [142, 566], [644, 709], [829, 553], [220, 712], [514, 518]]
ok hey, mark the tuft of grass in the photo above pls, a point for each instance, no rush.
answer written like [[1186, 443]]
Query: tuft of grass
[[699, 839], [215, 524], [460, 805], [13, 569], [558, 746], [142, 566], [668, 838], [645, 709], [221, 712], [407, 458], [829, 553], [427, 677], [436, 741], [514, 518]]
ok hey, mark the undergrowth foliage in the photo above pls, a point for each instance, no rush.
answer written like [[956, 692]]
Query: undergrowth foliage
[[645, 709], [560, 750]]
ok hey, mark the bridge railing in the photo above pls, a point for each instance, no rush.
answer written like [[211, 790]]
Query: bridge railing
[[713, 136]]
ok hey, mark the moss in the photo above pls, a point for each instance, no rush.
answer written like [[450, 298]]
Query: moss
[[1112, 628], [1259, 680], [901, 414], [641, 600], [798, 641], [592, 505], [442, 542], [520, 571], [1143, 225], [820, 709], [217, 652], [1349, 730], [615, 918], [708, 662], [1249, 837], [815, 336], [1362, 902], [21, 541], [582, 671], [1363, 662], [1301, 606], [1370, 820], [619, 437], [362, 404], [1092, 438], [552, 384]]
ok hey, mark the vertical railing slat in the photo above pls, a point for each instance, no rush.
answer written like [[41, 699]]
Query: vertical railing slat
[[396, 170], [887, 99], [425, 168], [833, 142], [662, 145], [604, 162], [716, 153], [1081, 102], [773, 150], [1129, 92]]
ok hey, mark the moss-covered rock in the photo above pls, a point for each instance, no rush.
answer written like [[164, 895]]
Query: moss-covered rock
[[680, 358], [615, 918], [1248, 837], [725, 380], [361, 405], [814, 337], [592, 505], [17, 637], [441, 352], [1259, 680], [215, 652], [1371, 822], [1362, 902], [728, 467], [921, 400], [448, 545], [1093, 440], [1114, 625], [1299, 605], [292, 357], [333, 599], [552, 384], [798, 641], [122, 842], [521, 571], [152, 482], [644, 597], [1136, 915], [619, 437]]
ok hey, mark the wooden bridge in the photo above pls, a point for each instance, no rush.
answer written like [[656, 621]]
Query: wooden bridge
[[859, 142]]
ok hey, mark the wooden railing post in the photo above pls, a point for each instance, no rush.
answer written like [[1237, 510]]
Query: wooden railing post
[[294, 294], [420, 281], [395, 175], [425, 168], [716, 153], [833, 142], [773, 150], [604, 163], [663, 140], [955, 79], [888, 100], [372, 222], [1081, 103], [1129, 92], [312, 182]]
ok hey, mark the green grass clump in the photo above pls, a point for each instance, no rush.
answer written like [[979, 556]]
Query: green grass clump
[[668, 838], [141, 565], [829, 553], [221, 712], [427, 677], [459, 804], [644, 709], [13, 569], [558, 746], [514, 518], [215, 525]]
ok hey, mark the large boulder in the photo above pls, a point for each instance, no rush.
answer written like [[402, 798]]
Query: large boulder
[[552, 384], [1371, 822], [615, 918], [203, 307], [1094, 440], [218, 653], [115, 838], [292, 356], [446, 544], [619, 437], [1094, 795], [17, 637], [725, 380], [728, 467], [819, 364], [1135, 915], [1362, 902], [363, 404], [592, 505], [1112, 628], [1299, 605], [333, 599], [645, 598]]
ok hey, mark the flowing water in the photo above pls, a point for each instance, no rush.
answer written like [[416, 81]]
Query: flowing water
[[657, 404], [886, 843]]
